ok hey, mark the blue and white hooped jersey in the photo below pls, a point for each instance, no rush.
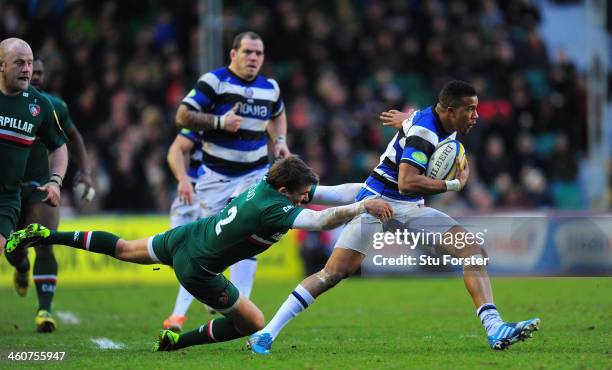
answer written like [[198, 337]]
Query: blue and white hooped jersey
[[195, 155], [414, 144], [241, 152]]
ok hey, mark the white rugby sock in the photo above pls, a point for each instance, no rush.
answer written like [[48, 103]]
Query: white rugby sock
[[297, 302], [489, 317], [183, 301], [242, 274]]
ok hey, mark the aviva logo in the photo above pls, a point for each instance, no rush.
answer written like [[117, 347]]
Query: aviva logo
[[256, 110]]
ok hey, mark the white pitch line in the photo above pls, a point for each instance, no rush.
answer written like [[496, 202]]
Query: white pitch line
[[68, 317], [105, 343]]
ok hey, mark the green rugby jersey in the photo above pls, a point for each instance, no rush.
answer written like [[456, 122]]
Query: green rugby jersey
[[248, 225], [37, 168], [23, 118]]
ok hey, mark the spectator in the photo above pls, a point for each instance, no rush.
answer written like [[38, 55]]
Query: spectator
[[338, 64]]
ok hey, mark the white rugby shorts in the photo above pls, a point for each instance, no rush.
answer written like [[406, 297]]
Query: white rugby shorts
[[358, 234], [214, 190]]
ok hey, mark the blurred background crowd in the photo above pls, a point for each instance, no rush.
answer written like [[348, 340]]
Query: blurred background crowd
[[124, 66]]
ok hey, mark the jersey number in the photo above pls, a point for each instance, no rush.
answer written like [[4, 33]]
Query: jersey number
[[231, 215]]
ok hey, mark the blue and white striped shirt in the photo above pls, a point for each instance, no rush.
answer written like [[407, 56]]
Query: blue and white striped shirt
[[195, 155], [244, 151], [414, 144]]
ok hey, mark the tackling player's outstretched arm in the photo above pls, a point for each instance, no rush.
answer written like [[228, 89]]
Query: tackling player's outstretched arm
[[179, 150], [333, 217], [412, 182], [338, 195]]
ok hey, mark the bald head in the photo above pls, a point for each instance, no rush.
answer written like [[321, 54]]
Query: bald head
[[12, 45], [15, 66]]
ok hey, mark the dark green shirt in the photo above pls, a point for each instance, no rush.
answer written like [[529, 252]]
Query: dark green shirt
[[247, 226], [23, 118]]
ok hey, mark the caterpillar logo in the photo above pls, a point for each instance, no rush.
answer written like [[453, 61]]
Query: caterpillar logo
[[16, 124], [246, 109]]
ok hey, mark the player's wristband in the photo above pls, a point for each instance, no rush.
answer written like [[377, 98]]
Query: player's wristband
[[453, 185], [219, 122], [361, 207], [56, 178], [280, 140]]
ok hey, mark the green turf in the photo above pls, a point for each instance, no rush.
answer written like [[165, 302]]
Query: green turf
[[362, 324]]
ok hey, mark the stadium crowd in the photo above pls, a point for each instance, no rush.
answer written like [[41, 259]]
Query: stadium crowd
[[124, 66]]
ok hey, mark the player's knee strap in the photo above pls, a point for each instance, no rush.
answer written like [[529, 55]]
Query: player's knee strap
[[328, 279], [324, 277]]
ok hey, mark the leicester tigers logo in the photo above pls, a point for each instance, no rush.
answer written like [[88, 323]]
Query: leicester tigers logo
[[223, 298], [34, 109]]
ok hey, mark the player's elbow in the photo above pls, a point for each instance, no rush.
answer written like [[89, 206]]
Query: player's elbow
[[181, 117], [169, 156]]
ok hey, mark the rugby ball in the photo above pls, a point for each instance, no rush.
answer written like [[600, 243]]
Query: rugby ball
[[442, 164], [79, 192]]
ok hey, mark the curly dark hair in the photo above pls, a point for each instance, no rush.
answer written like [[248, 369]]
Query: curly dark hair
[[452, 93]]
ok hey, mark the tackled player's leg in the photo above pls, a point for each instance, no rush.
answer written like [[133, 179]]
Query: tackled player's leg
[[345, 260], [500, 334]]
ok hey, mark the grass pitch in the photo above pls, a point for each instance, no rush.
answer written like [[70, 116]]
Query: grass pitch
[[362, 324]]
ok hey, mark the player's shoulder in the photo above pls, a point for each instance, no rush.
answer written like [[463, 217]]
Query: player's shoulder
[[214, 77], [425, 118], [220, 73], [263, 82], [34, 93], [425, 123], [38, 98]]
